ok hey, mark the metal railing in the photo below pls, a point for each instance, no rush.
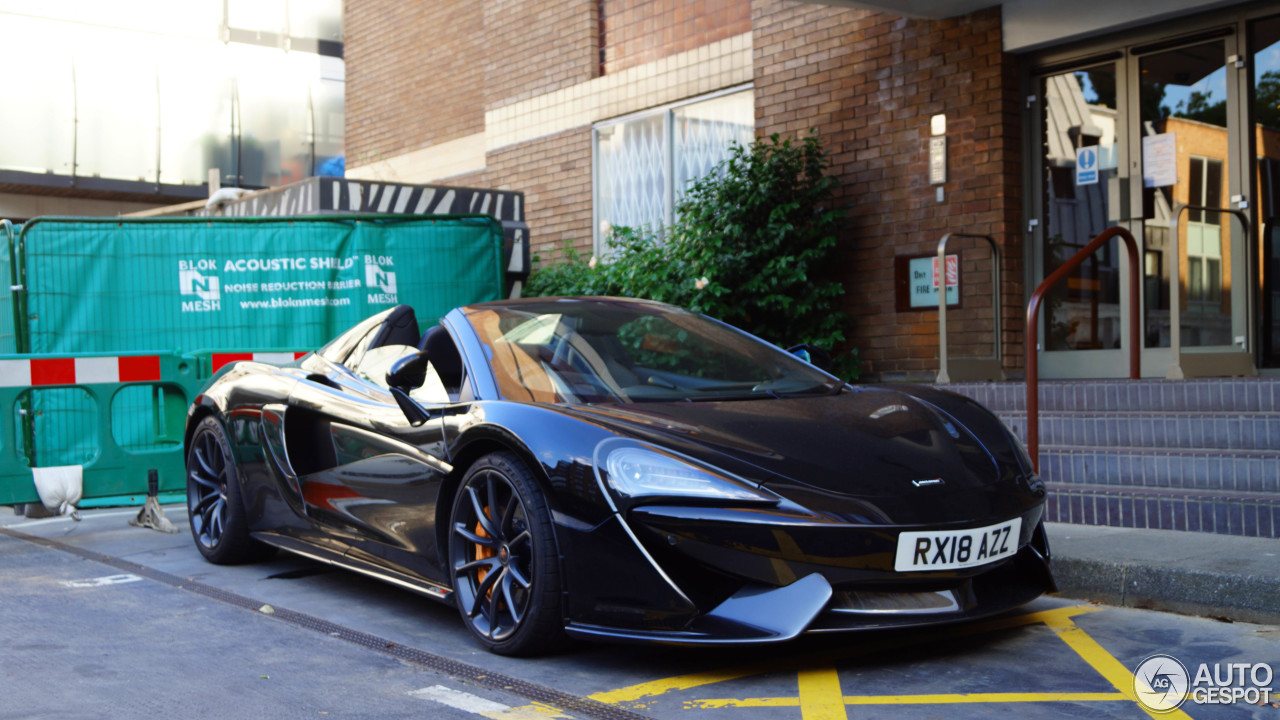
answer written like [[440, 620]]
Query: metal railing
[[1033, 327], [976, 368], [1176, 369]]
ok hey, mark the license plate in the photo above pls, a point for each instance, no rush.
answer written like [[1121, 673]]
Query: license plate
[[952, 549]]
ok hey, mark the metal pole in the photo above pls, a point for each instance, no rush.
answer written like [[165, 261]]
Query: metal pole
[[1175, 282], [1033, 329]]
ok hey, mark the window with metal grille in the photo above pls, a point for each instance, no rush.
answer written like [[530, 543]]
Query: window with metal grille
[[643, 162]]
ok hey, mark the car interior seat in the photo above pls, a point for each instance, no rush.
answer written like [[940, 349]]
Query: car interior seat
[[400, 328], [444, 356]]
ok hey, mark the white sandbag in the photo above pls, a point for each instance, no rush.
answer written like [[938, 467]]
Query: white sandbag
[[60, 488]]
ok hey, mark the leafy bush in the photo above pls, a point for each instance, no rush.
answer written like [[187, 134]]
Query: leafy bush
[[751, 246]]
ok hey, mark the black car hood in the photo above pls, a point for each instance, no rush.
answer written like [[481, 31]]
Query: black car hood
[[865, 443]]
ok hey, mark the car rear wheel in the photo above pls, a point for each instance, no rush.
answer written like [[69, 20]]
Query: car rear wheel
[[503, 557], [214, 508]]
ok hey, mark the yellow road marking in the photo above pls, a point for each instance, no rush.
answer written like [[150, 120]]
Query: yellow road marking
[[820, 696], [655, 688], [534, 711], [943, 699], [1107, 666]]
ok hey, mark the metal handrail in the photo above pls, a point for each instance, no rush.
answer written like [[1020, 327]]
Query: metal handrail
[[1175, 280], [944, 375], [1033, 329]]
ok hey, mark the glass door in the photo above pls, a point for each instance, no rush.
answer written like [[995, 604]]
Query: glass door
[[1264, 102], [1140, 138], [1188, 131], [1083, 168]]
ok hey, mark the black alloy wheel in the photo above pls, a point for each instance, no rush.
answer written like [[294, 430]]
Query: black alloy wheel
[[214, 508], [503, 559]]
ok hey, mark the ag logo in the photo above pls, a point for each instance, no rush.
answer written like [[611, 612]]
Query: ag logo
[[1161, 683], [204, 287]]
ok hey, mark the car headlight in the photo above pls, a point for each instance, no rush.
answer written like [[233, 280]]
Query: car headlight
[[635, 471]]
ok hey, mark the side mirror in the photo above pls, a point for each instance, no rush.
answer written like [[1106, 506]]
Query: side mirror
[[813, 355], [406, 374]]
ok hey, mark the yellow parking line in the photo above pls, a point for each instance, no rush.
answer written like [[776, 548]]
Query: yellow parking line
[[534, 711], [941, 699], [819, 694], [654, 688], [1100, 660], [820, 697]]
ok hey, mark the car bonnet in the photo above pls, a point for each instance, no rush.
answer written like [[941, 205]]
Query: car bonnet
[[864, 443]]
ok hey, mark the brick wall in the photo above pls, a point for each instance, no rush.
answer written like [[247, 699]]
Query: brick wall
[[870, 83], [634, 32], [414, 75], [533, 47], [554, 173], [425, 73]]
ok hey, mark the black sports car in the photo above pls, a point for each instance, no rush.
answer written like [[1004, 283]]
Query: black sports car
[[620, 469]]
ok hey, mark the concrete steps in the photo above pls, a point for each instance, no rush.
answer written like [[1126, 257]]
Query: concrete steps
[[1201, 455]]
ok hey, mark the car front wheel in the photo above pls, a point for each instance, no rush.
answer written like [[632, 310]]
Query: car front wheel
[[503, 558], [214, 507]]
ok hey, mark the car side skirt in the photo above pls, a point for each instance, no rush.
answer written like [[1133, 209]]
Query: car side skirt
[[322, 555]]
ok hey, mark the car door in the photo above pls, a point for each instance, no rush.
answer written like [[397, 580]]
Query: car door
[[366, 474]]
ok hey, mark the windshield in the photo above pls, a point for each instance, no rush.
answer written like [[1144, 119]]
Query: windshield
[[593, 351]]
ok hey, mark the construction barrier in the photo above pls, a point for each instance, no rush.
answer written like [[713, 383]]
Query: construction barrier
[[117, 416], [89, 285], [209, 362], [84, 293]]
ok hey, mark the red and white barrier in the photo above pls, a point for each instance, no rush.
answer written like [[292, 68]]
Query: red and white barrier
[[37, 372], [271, 358]]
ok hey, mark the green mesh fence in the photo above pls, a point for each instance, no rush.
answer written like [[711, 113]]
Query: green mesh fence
[[190, 284], [57, 426], [148, 418], [8, 343]]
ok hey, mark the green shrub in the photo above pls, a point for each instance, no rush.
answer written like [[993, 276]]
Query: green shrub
[[752, 245]]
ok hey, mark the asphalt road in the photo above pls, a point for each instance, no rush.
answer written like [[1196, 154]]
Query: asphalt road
[[102, 620]]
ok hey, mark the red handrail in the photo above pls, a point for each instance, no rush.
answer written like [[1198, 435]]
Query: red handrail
[[1033, 328]]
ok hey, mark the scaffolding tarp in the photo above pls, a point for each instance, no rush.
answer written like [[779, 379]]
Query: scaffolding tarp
[[117, 285]]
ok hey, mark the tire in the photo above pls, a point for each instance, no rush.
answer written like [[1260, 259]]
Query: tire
[[215, 511], [503, 559]]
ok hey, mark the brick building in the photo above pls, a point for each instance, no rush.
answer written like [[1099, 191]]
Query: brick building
[[600, 110]]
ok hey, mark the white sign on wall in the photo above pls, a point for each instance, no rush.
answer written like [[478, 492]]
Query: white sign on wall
[[1160, 160], [1087, 165], [924, 281]]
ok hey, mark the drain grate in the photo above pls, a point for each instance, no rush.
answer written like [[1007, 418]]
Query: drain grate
[[585, 707]]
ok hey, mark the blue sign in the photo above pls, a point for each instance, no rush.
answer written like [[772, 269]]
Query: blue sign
[[1087, 165]]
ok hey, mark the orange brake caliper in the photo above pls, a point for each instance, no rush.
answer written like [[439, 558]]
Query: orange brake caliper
[[483, 553]]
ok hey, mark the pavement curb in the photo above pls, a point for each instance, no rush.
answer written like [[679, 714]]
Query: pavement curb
[[1227, 578], [1237, 598]]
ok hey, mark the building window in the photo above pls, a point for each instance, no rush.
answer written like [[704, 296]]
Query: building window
[[643, 162], [1204, 231]]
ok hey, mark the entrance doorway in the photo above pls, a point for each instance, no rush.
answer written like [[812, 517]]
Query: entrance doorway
[[1169, 139]]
